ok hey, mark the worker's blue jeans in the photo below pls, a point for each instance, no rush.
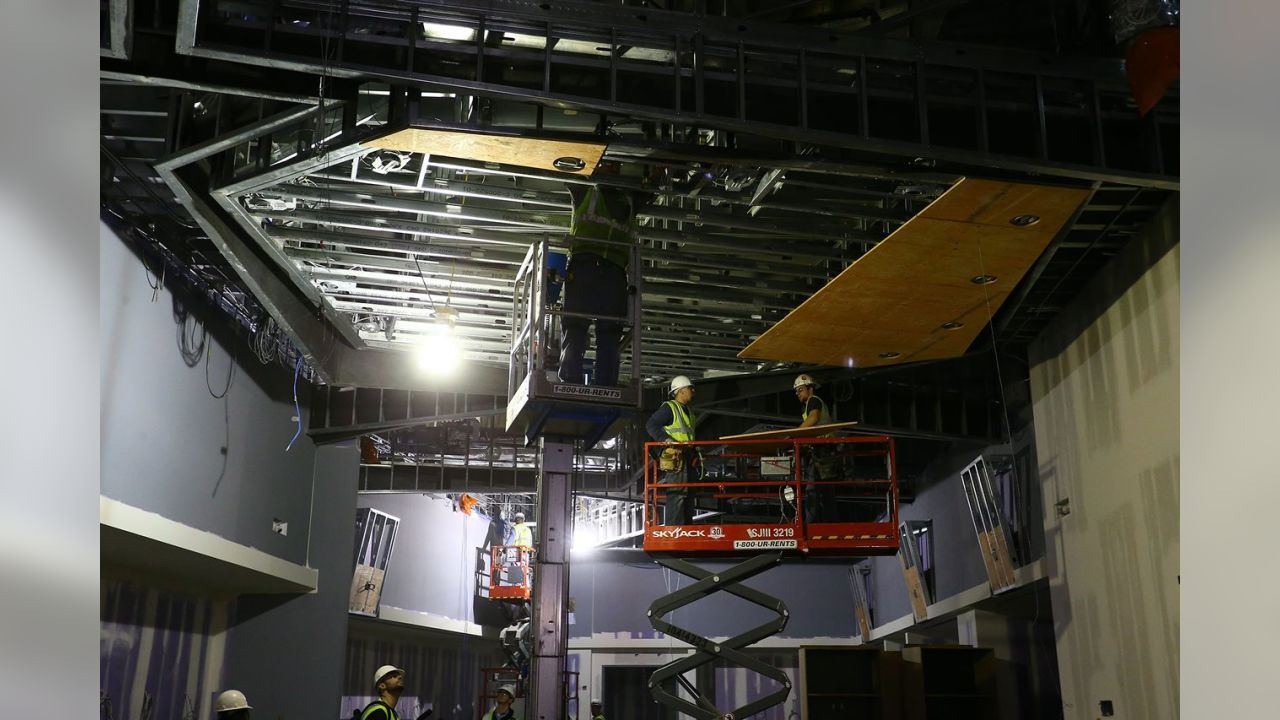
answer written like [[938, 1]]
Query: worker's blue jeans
[[596, 287]]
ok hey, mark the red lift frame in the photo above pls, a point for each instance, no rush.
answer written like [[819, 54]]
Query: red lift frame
[[498, 556], [854, 539]]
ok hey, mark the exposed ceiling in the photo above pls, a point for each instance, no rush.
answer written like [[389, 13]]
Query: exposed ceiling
[[784, 140]]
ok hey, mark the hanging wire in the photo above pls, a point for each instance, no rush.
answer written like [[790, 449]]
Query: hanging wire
[[995, 354], [297, 409], [159, 282], [187, 346], [423, 277], [231, 373]]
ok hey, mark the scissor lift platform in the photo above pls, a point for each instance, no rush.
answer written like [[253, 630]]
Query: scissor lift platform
[[850, 485]]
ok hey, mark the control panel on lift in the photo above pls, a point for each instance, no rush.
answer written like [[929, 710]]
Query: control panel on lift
[[540, 402], [802, 491]]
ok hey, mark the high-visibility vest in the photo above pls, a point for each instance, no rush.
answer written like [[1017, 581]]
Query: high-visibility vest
[[524, 536], [369, 711], [592, 221], [682, 422]]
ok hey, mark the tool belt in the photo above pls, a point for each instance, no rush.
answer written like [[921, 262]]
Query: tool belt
[[671, 460]]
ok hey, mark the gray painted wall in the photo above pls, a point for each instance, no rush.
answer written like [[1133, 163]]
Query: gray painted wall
[[432, 567], [287, 652], [162, 450], [1105, 384], [163, 434]]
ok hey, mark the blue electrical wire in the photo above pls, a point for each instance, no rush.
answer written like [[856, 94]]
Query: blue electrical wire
[[297, 368]]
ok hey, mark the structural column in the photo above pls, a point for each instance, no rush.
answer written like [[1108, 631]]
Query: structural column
[[551, 582]]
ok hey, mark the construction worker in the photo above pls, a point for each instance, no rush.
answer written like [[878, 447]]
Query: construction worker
[[821, 461], [505, 696], [388, 682], [523, 539], [232, 705], [674, 422], [600, 229], [597, 709]]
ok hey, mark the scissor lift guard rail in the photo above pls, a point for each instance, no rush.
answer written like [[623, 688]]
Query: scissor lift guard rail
[[770, 500]]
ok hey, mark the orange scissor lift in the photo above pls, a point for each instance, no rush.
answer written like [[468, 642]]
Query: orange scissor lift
[[766, 498], [509, 577]]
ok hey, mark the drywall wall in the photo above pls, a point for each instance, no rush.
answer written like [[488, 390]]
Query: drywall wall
[[1105, 389], [219, 465], [169, 446], [302, 638]]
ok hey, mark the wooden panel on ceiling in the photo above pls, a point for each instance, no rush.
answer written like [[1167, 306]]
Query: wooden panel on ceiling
[[530, 152], [891, 305]]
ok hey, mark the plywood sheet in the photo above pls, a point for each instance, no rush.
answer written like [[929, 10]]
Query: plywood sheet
[[366, 586], [915, 589], [897, 297], [531, 152], [793, 433]]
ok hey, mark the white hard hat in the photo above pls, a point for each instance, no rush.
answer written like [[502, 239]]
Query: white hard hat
[[803, 380], [384, 671], [231, 700], [509, 690], [680, 381], [519, 516], [596, 701]]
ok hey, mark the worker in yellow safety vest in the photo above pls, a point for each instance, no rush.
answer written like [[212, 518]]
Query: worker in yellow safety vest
[[674, 422], [519, 559], [388, 680], [601, 230]]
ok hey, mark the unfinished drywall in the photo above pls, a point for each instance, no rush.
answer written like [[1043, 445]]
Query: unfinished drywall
[[1105, 388]]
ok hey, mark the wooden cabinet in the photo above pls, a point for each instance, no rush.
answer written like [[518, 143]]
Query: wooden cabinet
[[838, 683], [949, 682]]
